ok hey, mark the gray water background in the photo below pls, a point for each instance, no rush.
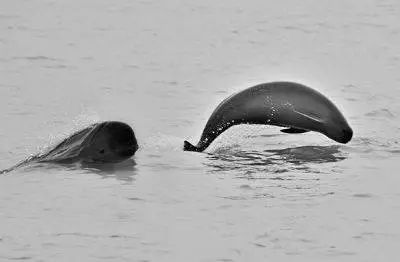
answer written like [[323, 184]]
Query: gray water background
[[162, 67]]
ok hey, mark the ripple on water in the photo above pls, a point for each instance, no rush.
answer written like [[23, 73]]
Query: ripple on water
[[363, 195], [36, 58], [17, 258], [381, 113], [374, 146]]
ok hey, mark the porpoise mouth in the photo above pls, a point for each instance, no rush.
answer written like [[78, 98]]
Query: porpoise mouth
[[127, 151]]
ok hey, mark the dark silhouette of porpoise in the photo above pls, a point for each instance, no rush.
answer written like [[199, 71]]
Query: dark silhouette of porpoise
[[106, 142], [294, 106]]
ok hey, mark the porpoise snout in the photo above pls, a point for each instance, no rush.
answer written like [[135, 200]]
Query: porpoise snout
[[346, 135], [127, 151], [340, 133]]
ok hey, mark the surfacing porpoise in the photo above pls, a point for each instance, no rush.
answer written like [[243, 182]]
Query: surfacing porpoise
[[294, 106], [106, 142]]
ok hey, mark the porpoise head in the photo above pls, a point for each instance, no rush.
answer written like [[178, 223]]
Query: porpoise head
[[111, 142], [329, 121], [337, 128], [326, 119]]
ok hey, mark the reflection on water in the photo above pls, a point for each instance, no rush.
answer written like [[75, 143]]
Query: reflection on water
[[303, 158], [122, 171], [308, 154]]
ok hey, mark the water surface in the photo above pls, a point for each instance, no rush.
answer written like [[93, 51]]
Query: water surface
[[256, 194]]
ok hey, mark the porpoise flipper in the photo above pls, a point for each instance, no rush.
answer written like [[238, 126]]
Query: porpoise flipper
[[293, 130]]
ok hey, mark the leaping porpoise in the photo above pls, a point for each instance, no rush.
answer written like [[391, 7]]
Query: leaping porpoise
[[106, 142], [296, 107]]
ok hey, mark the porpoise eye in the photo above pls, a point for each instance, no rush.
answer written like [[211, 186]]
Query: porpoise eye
[[102, 151]]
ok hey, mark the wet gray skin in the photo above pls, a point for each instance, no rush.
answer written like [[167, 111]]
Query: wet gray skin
[[106, 142], [111, 142], [294, 106]]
